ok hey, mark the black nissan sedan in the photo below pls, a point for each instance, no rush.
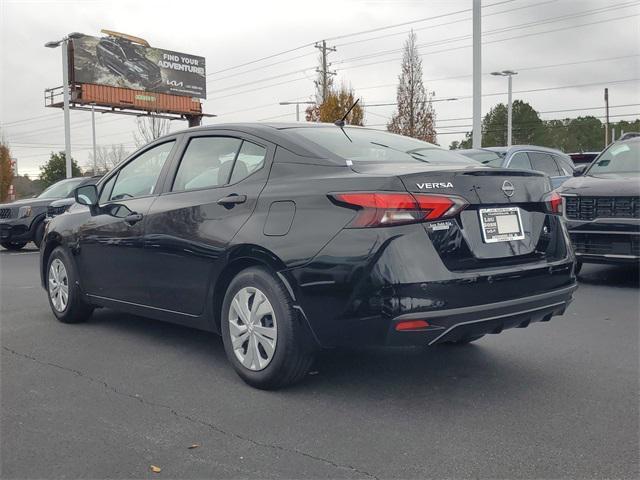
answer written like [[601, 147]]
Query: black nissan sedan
[[602, 206], [288, 238]]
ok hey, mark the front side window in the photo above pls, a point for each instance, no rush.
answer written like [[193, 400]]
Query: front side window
[[138, 178], [618, 158], [374, 146], [206, 163], [520, 160], [564, 165], [543, 162]]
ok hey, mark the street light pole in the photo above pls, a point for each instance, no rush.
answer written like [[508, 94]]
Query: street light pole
[[297, 104], [64, 43], [509, 74]]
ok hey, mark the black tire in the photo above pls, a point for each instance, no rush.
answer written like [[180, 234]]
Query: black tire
[[293, 352], [38, 234], [578, 267], [76, 309], [465, 341], [14, 246]]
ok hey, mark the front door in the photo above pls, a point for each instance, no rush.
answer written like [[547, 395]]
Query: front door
[[111, 241], [215, 189]]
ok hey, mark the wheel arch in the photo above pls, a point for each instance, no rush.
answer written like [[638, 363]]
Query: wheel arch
[[241, 258], [51, 241]]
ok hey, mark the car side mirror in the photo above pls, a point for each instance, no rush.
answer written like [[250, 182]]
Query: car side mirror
[[86, 195], [579, 170]]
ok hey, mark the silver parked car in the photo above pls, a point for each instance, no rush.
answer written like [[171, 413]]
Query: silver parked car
[[554, 163]]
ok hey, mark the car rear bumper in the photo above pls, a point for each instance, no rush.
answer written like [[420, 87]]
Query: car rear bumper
[[456, 324]]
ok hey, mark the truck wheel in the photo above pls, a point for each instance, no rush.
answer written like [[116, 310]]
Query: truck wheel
[[39, 234], [578, 267], [13, 245], [65, 297], [264, 338]]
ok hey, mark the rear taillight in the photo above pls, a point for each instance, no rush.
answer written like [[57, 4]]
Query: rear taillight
[[553, 203], [381, 209]]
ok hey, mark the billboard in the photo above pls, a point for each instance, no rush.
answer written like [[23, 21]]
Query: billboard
[[118, 62]]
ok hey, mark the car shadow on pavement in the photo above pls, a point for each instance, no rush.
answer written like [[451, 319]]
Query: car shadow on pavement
[[396, 372], [610, 275]]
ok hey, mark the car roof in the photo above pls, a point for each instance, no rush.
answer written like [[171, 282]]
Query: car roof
[[273, 132]]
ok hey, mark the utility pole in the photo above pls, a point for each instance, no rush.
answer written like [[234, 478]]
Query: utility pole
[[477, 75], [324, 72], [606, 112]]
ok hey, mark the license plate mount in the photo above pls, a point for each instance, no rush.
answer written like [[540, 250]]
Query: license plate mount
[[501, 224]]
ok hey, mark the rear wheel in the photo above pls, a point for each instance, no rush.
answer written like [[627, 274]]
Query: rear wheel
[[13, 245], [263, 337], [65, 297]]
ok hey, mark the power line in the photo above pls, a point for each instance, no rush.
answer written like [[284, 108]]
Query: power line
[[488, 42], [386, 27]]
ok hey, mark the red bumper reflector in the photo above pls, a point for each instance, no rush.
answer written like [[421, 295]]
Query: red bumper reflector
[[411, 325]]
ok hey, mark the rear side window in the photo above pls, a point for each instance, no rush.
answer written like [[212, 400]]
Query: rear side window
[[138, 178], [543, 162], [250, 159], [206, 163], [520, 160]]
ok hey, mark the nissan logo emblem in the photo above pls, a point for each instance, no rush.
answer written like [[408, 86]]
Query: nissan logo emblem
[[508, 188]]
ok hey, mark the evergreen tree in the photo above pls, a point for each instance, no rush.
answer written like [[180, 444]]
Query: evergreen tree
[[414, 116], [55, 169]]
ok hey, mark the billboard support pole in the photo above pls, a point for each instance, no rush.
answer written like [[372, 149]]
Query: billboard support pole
[[67, 120], [93, 131]]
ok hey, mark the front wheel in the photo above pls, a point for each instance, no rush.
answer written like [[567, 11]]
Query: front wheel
[[65, 297], [264, 339]]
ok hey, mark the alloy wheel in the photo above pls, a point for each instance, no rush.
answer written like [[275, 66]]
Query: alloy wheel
[[253, 328], [58, 285]]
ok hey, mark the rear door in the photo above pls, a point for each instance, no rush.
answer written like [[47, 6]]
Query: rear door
[[211, 193]]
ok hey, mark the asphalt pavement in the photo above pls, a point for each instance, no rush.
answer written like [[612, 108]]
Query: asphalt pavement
[[114, 396]]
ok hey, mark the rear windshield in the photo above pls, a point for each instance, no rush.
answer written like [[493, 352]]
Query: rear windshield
[[372, 146], [484, 156], [621, 157]]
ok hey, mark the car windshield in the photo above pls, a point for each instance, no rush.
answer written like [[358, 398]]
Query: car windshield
[[61, 189], [373, 146], [618, 158]]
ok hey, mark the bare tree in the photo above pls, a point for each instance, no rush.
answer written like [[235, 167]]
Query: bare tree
[[107, 157], [415, 116], [150, 128]]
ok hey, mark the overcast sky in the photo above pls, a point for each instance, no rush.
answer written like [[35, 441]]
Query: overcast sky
[[569, 44]]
